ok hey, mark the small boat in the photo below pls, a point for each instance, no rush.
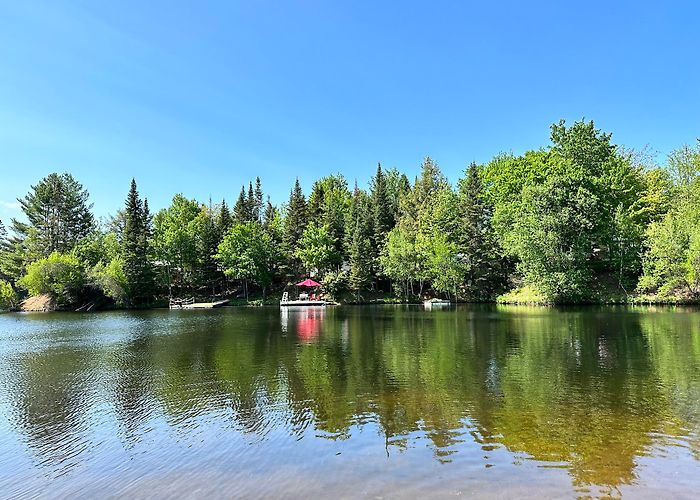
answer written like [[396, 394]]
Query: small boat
[[304, 299], [285, 302], [429, 304]]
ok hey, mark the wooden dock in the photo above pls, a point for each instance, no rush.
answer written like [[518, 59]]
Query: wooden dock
[[191, 304]]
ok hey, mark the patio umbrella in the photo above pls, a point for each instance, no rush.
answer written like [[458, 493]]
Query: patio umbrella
[[308, 282]]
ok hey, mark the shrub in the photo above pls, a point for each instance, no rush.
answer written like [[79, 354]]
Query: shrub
[[8, 297], [59, 275]]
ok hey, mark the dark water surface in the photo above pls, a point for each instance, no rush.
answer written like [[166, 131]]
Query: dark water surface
[[489, 401]]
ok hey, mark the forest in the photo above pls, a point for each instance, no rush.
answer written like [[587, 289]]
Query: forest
[[580, 220]]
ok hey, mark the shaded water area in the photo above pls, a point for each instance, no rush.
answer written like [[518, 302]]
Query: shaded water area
[[392, 401]]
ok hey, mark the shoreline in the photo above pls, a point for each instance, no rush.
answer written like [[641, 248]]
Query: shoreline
[[632, 302]]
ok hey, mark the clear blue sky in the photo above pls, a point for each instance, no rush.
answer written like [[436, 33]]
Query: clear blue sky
[[198, 97]]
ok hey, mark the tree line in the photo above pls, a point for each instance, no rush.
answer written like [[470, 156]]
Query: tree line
[[580, 220]]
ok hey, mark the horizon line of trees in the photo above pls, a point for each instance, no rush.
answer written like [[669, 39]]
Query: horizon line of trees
[[576, 221]]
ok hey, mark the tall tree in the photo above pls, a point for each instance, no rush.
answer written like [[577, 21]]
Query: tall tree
[[225, 220], [175, 241], [58, 213], [208, 241], [362, 257], [241, 210], [482, 263], [296, 218], [258, 201], [247, 253], [137, 267], [382, 211]]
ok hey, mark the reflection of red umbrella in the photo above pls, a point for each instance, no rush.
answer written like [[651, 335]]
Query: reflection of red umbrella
[[309, 325], [308, 282]]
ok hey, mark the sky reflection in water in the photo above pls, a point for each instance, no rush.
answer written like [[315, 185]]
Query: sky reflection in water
[[351, 401]]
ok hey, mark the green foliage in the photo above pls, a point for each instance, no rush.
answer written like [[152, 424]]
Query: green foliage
[[362, 251], [552, 238], [401, 260], [335, 282], [524, 295], [317, 249], [482, 262], [444, 267], [671, 263], [58, 211], [97, 247], [8, 297], [175, 240], [111, 279], [296, 218], [248, 253], [60, 275], [137, 268], [579, 220]]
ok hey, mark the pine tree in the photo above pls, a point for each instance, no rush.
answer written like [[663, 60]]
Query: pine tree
[[58, 212], [137, 232], [360, 243], [258, 201], [250, 203], [477, 243], [316, 202], [241, 212], [225, 221], [269, 215], [382, 213], [297, 218]]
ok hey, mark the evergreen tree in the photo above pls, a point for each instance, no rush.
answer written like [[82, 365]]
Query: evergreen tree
[[250, 203], [258, 201], [269, 215], [137, 267], [58, 212], [477, 244], [361, 253], [225, 221], [297, 218], [241, 210], [382, 213]]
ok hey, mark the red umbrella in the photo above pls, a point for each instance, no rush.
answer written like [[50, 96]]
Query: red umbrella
[[308, 282]]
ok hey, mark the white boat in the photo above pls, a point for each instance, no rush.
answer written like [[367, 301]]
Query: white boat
[[289, 303], [285, 302], [436, 303]]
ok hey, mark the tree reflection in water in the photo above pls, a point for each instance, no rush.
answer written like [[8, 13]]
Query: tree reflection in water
[[588, 390]]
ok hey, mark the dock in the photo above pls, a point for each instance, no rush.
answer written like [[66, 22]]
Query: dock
[[191, 304], [288, 303]]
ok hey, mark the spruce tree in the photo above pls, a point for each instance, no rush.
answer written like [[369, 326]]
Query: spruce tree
[[360, 244], [225, 221], [382, 213], [269, 215], [258, 201], [137, 232], [477, 243], [297, 218], [241, 212]]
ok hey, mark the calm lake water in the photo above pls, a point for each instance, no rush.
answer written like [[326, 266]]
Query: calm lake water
[[393, 401]]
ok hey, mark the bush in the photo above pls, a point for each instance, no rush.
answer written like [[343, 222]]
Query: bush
[[110, 279], [59, 275], [335, 283], [8, 297]]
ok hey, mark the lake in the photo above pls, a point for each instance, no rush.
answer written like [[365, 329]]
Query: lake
[[385, 401]]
